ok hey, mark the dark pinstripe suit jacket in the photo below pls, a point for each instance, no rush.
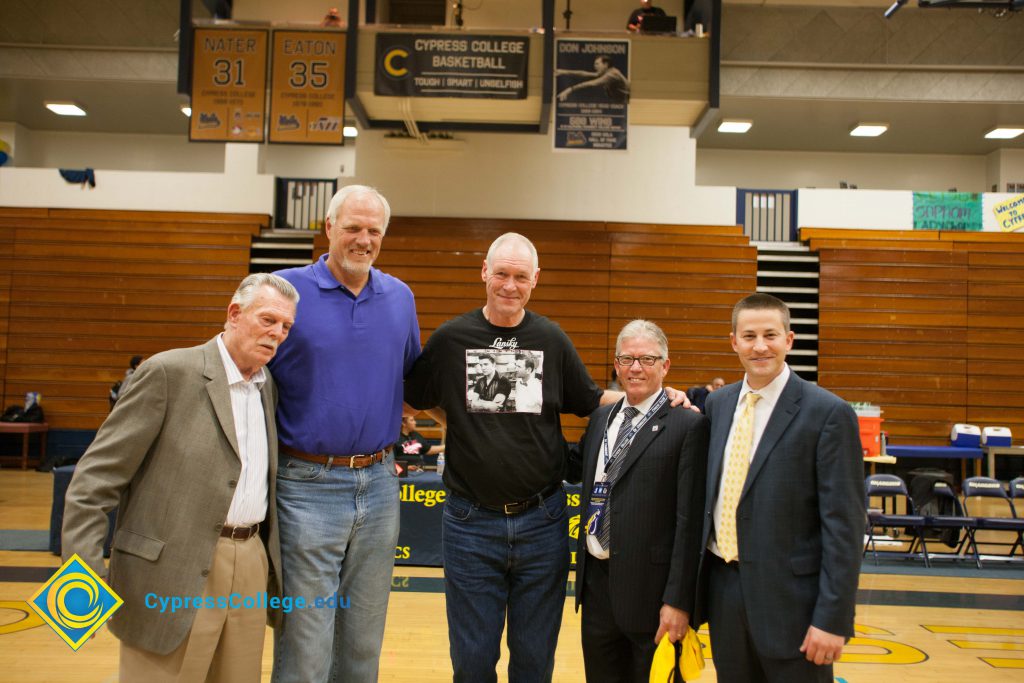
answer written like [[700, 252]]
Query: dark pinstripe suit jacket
[[656, 508]]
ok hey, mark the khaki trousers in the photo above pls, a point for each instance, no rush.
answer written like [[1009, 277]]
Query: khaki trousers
[[224, 645]]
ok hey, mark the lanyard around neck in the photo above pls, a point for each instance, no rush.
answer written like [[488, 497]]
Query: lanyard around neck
[[624, 442]]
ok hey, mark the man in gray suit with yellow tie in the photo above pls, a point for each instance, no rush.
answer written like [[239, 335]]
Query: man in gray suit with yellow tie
[[189, 457], [784, 513]]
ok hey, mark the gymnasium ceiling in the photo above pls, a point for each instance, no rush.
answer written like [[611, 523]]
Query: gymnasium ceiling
[[119, 59]]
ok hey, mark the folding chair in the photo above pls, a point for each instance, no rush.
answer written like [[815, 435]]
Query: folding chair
[[889, 486], [985, 487], [963, 525], [1017, 488]]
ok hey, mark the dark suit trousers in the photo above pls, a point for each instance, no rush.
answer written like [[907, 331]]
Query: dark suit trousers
[[609, 654], [732, 646]]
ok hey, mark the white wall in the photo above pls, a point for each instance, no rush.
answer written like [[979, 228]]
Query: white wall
[[140, 191], [1005, 166], [793, 170], [522, 176], [117, 151], [874, 209], [308, 161]]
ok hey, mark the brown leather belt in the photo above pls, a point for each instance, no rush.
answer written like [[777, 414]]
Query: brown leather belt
[[354, 461], [240, 533], [523, 505]]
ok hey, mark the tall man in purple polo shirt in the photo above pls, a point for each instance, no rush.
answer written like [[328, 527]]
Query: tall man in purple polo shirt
[[340, 387]]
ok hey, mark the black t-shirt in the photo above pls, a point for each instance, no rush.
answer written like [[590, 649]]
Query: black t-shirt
[[634, 18], [411, 448], [505, 457]]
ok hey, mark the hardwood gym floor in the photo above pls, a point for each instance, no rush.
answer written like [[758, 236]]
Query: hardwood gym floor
[[950, 623]]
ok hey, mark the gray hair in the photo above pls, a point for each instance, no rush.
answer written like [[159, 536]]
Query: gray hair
[[512, 237], [338, 200], [251, 285], [643, 329]]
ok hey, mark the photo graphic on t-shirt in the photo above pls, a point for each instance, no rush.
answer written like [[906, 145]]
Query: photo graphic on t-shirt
[[504, 381]]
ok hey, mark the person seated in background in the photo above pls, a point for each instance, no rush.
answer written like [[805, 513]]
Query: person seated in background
[[411, 446], [698, 395], [637, 17]]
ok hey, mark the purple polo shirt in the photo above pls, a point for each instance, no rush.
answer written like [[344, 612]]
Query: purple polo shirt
[[339, 374]]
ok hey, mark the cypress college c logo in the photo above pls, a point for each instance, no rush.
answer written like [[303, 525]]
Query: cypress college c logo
[[75, 602]]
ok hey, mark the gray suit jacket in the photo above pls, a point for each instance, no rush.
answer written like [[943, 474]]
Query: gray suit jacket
[[167, 456], [800, 519]]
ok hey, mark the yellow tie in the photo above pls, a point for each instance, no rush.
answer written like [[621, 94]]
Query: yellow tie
[[735, 478]]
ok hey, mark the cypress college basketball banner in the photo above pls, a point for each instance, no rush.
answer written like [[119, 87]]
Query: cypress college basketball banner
[[459, 65]]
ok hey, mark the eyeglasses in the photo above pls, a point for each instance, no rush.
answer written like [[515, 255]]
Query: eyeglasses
[[627, 361]]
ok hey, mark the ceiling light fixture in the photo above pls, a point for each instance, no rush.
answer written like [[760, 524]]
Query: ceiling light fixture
[[1004, 133], [186, 110], [349, 131], [734, 126], [869, 130], [65, 108]]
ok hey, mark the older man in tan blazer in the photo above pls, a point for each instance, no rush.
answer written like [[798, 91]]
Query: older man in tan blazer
[[189, 457]]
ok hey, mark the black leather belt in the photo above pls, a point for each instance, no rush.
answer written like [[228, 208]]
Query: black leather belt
[[523, 505], [240, 533], [354, 461]]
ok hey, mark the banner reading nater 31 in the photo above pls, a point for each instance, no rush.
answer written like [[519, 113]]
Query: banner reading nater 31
[[229, 84], [591, 94]]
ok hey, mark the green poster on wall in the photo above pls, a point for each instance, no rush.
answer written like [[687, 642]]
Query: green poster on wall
[[947, 211]]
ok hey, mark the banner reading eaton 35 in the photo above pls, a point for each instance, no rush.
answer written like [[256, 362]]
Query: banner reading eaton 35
[[591, 94], [307, 95], [432, 65]]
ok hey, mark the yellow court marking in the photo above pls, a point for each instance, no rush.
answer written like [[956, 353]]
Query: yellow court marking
[[29, 619], [982, 645], [1004, 663], [975, 630]]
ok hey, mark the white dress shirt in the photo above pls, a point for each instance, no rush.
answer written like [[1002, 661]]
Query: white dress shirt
[[593, 544], [249, 503], [762, 413]]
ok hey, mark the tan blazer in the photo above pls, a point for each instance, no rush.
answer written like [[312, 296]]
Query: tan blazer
[[167, 457]]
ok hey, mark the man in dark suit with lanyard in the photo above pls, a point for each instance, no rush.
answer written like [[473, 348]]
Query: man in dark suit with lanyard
[[643, 494], [784, 513]]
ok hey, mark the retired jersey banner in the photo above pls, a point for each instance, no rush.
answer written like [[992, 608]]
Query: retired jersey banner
[[307, 92], [229, 85], [591, 94], [433, 65]]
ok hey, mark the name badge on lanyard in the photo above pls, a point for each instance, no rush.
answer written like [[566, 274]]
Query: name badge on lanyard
[[598, 498]]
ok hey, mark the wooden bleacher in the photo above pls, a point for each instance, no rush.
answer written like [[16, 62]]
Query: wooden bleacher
[[83, 291], [927, 324]]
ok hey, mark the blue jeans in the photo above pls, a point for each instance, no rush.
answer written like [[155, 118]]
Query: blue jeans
[[338, 532], [497, 565]]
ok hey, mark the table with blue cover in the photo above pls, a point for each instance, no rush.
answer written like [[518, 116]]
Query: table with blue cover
[[423, 496], [940, 452]]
